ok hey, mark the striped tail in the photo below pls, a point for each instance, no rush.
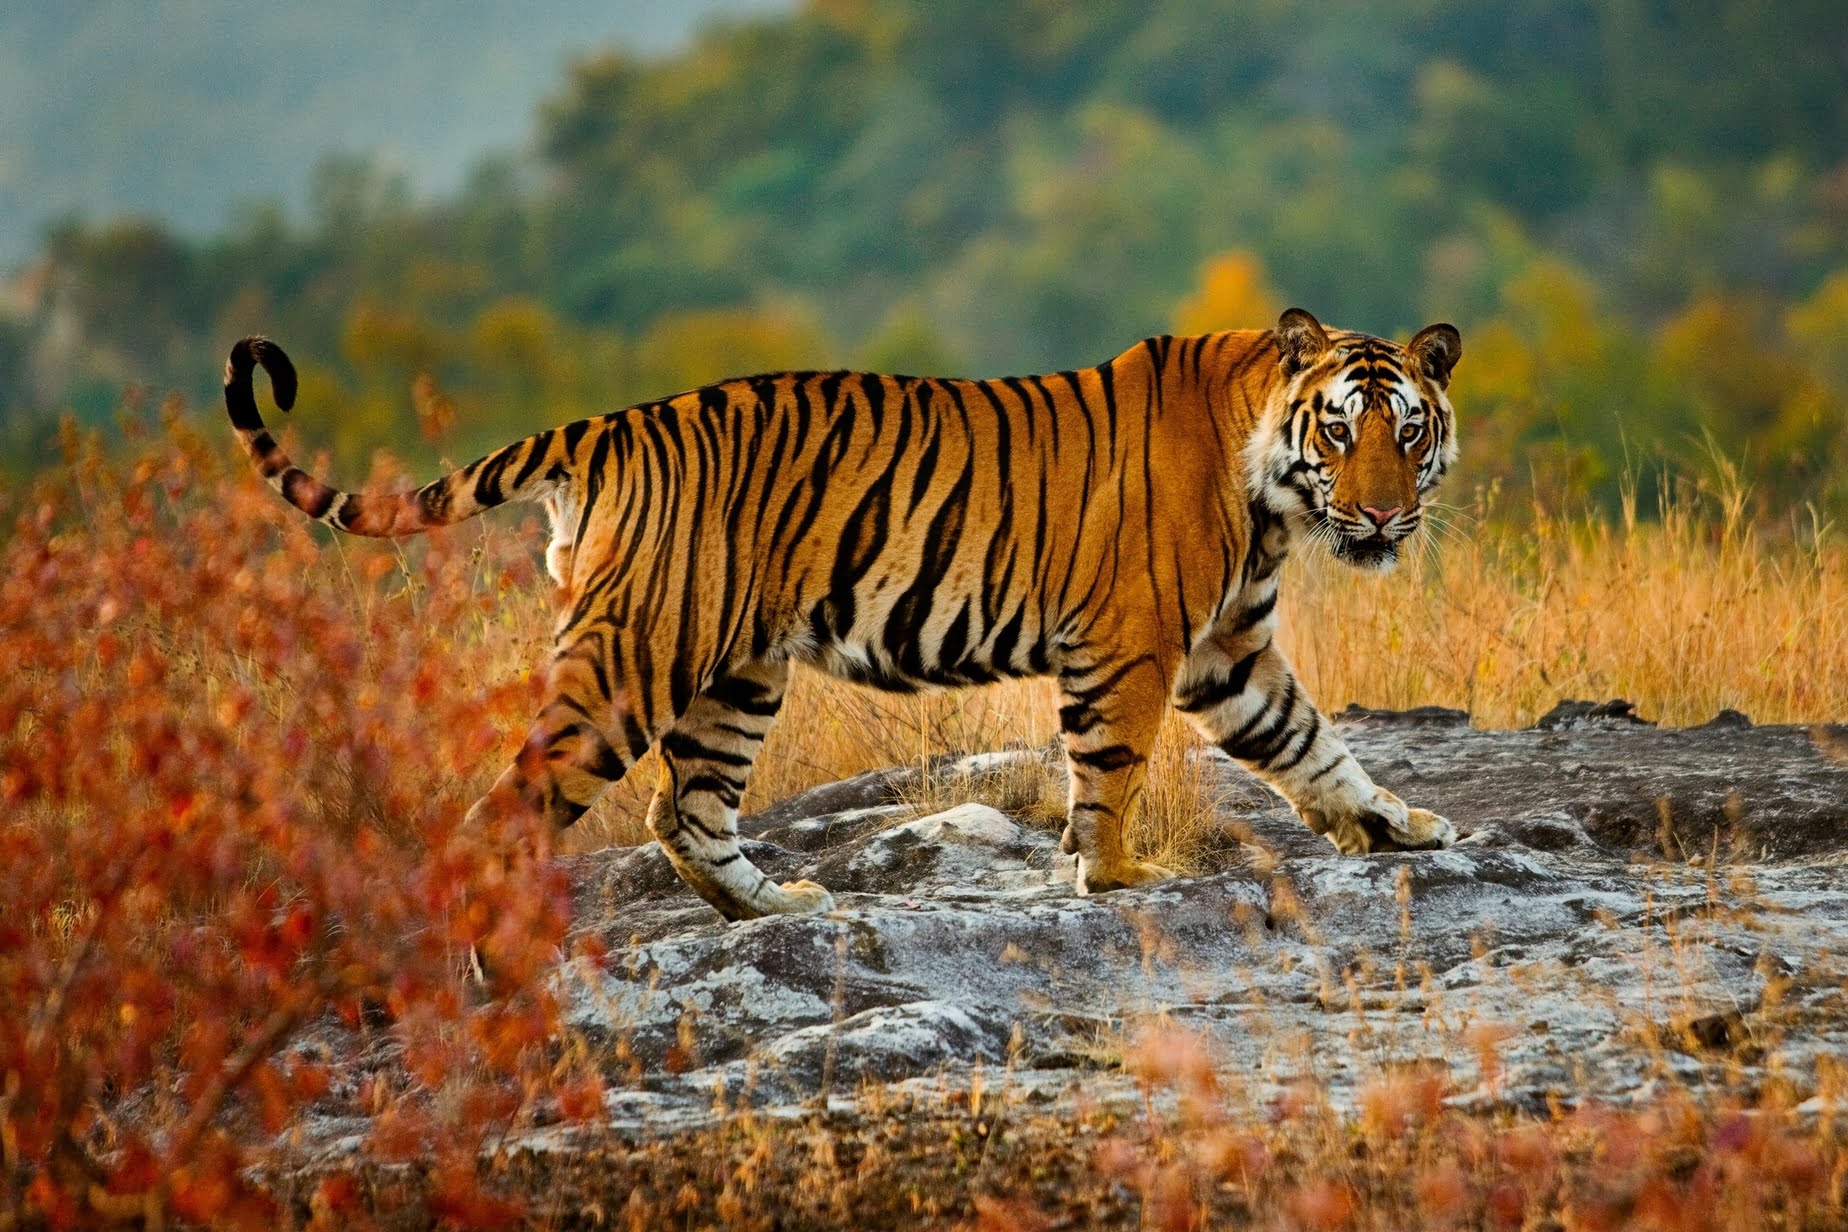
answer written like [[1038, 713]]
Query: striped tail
[[526, 469]]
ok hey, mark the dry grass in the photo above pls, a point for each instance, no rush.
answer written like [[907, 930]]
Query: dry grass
[[1697, 609], [978, 1161]]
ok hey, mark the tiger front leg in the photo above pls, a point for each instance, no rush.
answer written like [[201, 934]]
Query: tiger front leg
[[1246, 699], [1111, 712]]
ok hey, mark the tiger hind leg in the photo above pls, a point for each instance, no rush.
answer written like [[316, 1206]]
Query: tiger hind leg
[[706, 760], [568, 759], [1111, 712]]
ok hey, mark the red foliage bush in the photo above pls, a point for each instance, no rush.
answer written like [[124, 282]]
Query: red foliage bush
[[234, 762]]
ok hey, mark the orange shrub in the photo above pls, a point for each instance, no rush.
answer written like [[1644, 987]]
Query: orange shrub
[[233, 764]]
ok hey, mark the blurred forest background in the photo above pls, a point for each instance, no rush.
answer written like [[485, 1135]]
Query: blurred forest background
[[1635, 210]]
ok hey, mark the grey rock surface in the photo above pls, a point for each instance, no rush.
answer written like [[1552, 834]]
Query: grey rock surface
[[1628, 906]]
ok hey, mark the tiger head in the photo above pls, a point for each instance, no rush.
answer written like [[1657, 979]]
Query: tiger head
[[1362, 433]]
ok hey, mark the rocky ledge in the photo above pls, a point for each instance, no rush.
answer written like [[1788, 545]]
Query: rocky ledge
[[1628, 906]]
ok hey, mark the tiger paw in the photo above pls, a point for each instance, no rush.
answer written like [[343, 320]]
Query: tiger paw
[[1094, 879], [1384, 824], [768, 898], [1426, 831], [805, 898]]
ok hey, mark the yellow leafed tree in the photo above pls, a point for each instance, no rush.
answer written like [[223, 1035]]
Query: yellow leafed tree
[[1232, 294]]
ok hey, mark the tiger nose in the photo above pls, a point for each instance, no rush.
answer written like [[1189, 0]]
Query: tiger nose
[[1381, 516]]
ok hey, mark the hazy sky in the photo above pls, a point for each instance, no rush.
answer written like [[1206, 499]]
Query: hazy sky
[[181, 109]]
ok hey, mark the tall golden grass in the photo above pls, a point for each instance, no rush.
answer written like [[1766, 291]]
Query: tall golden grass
[[1697, 608]]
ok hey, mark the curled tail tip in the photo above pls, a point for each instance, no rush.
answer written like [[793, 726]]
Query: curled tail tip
[[247, 353]]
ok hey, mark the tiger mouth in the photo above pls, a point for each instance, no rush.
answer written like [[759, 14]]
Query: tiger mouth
[[1366, 551]]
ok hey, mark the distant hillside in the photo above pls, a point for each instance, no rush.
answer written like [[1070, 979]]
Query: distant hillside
[[1636, 211], [180, 111]]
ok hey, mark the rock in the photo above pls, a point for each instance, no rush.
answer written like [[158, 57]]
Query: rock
[[1831, 740], [862, 791], [1567, 715], [969, 845], [1620, 897], [954, 945], [1417, 716]]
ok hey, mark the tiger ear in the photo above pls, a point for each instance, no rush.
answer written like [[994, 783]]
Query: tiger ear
[[1300, 341], [1436, 349]]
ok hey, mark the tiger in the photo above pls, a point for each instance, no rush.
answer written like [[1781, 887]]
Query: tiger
[[1118, 528]]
